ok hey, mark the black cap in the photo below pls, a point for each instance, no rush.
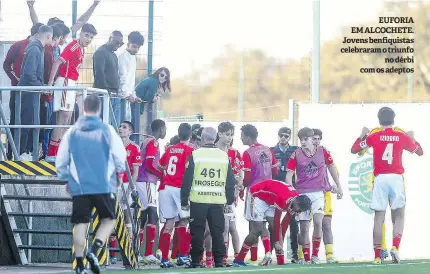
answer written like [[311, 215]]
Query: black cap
[[284, 130], [304, 203]]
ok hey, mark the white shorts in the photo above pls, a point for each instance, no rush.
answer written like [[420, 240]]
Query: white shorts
[[231, 216], [388, 189], [317, 207], [247, 213], [66, 99], [147, 194], [121, 202], [260, 210], [170, 204]]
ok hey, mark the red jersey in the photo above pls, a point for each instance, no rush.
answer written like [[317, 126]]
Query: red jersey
[[72, 57], [13, 62], [235, 160], [133, 158], [173, 164], [388, 146]]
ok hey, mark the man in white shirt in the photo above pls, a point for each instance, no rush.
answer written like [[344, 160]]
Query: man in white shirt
[[127, 72]]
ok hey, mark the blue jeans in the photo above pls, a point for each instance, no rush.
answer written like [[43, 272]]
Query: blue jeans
[[116, 107]]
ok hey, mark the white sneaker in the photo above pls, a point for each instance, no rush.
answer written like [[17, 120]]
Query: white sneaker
[[26, 157], [395, 256], [301, 261], [315, 260], [151, 259], [266, 260]]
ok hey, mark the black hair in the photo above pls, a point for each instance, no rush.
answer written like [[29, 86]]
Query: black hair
[[55, 20], [317, 132], [157, 124], [117, 33], [57, 32], [250, 131], [35, 29], [136, 38], [386, 116], [184, 131], [129, 124], [199, 132], [64, 29], [92, 103], [45, 29], [225, 126], [89, 29], [305, 203], [174, 140], [166, 84], [305, 132]]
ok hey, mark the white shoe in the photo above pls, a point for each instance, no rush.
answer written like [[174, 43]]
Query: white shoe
[[266, 260], [301, 261], [26, 157], [315, 260], [151, 259], [395, 256]]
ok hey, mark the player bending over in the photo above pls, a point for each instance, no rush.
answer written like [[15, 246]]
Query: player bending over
[[388, 185], [269, 199]]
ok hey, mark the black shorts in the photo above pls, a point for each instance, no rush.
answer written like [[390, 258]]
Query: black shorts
[[83, 206]]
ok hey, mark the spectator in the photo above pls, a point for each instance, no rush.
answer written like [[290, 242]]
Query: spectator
[[150, 88], [12, 67], [127, 72], [105, 68], [92, 160], [67, 67], [32, 75]]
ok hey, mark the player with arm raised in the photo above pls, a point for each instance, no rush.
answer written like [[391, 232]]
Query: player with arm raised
[[173, 164], [388, 184]]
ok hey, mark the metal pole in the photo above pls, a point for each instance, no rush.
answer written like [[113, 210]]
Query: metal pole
[[151, 108], [315, 87], [241, 91], [74, 14]]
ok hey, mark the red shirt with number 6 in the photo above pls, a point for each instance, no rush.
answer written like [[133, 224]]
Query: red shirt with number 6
[[173, 164], [388, 146]]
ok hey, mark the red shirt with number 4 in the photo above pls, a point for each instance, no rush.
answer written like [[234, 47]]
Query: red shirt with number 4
[[173, 164], [388, 146]]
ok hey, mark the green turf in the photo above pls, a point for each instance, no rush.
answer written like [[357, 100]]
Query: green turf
[[406, 267]]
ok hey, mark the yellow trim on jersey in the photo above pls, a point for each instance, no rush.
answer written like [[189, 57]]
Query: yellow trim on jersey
[[375, 130]]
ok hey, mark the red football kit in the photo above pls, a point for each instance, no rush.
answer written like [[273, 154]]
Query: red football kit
[[235, 160], [388, 146], [133, 158], [173, 164], [278, 194], [72, 57]]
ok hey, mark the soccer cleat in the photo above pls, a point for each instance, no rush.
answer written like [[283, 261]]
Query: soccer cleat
[[315, 260], [218, 265], [395, 255], [113, 260], [332, 261], [266, 260], [158, 254], [377, 261], [167, 264], [94, 263], [183, 260], [81, 271], [239, 264], [150, 260], [301, 261], [50, 159], [384, 254]]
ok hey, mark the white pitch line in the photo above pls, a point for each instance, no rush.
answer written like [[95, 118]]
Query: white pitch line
[[249, 268]]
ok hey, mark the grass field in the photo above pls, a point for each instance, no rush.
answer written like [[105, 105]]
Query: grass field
[[406, 267]]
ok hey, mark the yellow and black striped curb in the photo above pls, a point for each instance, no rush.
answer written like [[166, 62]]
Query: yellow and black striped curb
[[30, 168]]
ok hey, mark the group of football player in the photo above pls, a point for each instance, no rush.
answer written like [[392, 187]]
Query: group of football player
[[271, 181]]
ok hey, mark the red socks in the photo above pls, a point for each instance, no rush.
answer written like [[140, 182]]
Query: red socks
[[112, 243], [242, 254], [254, 252], [175, 245], [266, 243], [396, 240], [316, 246], [150, 239], [307, 253], [182, 240], [377, 248], [226, 251], [209, 259], [280, 259], [53, 147], [141, 236], [188, 243], [164, 244]]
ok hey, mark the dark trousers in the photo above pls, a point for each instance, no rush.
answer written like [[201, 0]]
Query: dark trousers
[[214, 214], [27, 118], [11, 122], [294, 235]]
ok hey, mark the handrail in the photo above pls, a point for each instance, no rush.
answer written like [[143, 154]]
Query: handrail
[[39, 89]]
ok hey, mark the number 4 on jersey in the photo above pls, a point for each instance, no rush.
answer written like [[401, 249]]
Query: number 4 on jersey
[[388, 154]]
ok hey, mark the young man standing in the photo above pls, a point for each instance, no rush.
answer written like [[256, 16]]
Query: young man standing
[[388, 189], [134, 160], [146, 184], [127, 72], [328, 211], [105, 69], [67, 67], [259, 164], [92, 161], [225, 139], [271, 198], [32, 75], [282, 152], [310, 163], [173, 164]]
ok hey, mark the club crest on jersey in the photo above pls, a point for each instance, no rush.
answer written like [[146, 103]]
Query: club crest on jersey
[[360, 183]]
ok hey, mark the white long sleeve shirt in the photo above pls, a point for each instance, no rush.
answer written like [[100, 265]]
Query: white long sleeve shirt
[[127, 73]]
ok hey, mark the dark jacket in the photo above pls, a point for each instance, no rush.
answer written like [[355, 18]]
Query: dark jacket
[[189, 176], [105, 68], [282, 161], [32, 65]]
